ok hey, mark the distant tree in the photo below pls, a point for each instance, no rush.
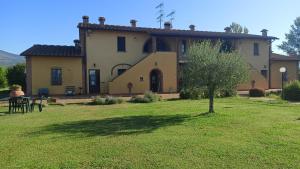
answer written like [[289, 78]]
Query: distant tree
[[210, 68], [292, 43], [16, 75], [2, 78], [237, 28]]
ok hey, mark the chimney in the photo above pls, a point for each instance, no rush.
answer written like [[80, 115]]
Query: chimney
[[264, 32], [227, 30], [77, 43], [85, 19], [101, 20], [133, 23], [168, 25], [192, 27]]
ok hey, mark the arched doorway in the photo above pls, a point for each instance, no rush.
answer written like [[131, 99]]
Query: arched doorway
[[156, 81]]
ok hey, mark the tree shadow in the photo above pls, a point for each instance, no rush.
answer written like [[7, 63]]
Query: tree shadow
[[115, 126]]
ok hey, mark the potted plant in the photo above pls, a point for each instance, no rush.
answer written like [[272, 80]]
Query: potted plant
[[16, 91]]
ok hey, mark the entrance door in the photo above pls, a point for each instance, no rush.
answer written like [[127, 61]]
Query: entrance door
[[156, 81], [94, 81]]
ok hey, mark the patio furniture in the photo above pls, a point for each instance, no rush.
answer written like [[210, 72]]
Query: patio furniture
[[24, 104], [40, 104], [19, 103], [43, 92], [70, 90]]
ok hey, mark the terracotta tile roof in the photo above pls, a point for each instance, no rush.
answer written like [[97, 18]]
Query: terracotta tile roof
[[284, 57], [52, 50], [172, 32]]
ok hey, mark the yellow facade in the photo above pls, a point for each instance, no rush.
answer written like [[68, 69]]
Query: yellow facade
[[98, 54], [292, 68], [102, 53], [139, 75], [41, 73], [256, 63]]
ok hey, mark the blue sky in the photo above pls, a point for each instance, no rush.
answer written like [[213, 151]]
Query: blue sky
[[24, 23]]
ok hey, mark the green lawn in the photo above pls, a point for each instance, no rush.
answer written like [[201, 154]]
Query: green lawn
[[169, 134]]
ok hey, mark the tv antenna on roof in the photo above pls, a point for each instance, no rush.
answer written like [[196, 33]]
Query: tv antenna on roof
[[171, 16], [161, 14]]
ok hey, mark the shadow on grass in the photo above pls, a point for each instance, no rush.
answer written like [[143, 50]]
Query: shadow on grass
[[114, 126]]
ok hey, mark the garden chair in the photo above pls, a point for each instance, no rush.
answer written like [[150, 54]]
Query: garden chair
[[40, 104], [19, 103], [70, 90]]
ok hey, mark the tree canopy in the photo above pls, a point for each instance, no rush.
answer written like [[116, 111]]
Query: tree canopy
[[237, 28], [292, 43], [16, 75], [210, 68], [2, 78]]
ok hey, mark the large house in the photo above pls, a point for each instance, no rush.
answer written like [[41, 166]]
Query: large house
[[113, 59]]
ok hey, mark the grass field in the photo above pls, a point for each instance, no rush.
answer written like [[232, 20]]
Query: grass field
[[169, 134]]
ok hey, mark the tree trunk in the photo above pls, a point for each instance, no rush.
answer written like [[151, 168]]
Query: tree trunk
[[211, 100]]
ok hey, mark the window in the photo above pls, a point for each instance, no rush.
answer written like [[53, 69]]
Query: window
[[183, 47], [264, 73], [121, 71], [56, 76], [256, 49], [121, 44]]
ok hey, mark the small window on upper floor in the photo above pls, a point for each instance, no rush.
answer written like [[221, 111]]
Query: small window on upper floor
[[121, 44], [256, 49], [56, 76], [121, 71], [183, 47]]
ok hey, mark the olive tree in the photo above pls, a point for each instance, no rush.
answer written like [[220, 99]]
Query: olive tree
[[210, 68]]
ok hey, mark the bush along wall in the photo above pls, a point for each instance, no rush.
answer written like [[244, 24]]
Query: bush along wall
[[197, 93], [291, 91], [106, 101], [147, 98], [257, 92]]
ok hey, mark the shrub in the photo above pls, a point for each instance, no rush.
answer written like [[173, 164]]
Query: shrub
[[2, 78], [152, 96], [227, 93], [106, 101], [16, 75], [196, 93], [193, 93], [148, 98], [256, 92], [291, 91], [113, 100]]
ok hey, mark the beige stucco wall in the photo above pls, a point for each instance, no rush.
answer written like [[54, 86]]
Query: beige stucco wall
[[260, 81], [166, 62], [292, 72], [102, 51], [102, 54], [258, 63], [41, 73]]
